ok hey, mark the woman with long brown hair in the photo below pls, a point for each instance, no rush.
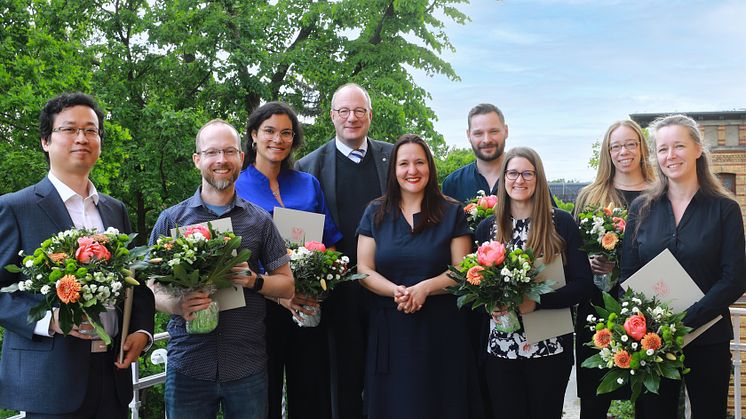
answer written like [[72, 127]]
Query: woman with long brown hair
[[528, 380]]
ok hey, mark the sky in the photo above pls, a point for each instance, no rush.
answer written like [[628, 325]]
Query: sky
[[563, 70]]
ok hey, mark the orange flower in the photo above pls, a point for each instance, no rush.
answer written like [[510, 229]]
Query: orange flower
[[608, 210], [473, 275], [609, 240], [651, 341], [468, 208], [621, 359], [68, 289], [57, 257], [602, 338]]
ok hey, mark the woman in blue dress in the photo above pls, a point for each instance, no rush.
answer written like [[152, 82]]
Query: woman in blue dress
[[528, 380], [299, 354], [416, 363]]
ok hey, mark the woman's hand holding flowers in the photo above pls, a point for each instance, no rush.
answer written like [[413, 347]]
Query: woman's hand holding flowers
[[600, 264]]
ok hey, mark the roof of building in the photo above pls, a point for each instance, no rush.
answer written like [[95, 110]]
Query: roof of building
[[644, 119]]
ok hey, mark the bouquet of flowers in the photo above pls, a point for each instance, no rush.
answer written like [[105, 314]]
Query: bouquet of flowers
[[639, 341], [317, 270], [479, 208], [602, 230], [200, 259], [498, 276], [82, 272]]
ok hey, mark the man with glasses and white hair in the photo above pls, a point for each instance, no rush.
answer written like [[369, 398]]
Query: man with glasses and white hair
[[226, 367], [43, 372], [351, 168]]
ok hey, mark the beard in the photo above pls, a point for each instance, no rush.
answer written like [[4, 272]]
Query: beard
[[220, 184], [499, 148]]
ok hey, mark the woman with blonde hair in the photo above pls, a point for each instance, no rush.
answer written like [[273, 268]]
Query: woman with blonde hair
[[528, 380], [690, 213], [624, 171]]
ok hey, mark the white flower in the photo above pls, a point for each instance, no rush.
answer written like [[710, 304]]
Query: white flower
[[625, 304], [480, 192], [625, 338], [643, 363], [634, 345], [624, 310], [632, 372], [45, 290], [636, 300], [650, 352], [111, 230], [590, 318], [38, 276], [635, 310], [620, 380], [29, 284], [29, 263], [345, 259], [20, 253], [329, 276], [673, 328], [22, 286]]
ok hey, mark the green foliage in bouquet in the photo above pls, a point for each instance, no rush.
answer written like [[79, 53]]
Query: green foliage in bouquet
[[496, 276], [639, 340], [479, 208], [199, 257], [79, 271], [317, 270]]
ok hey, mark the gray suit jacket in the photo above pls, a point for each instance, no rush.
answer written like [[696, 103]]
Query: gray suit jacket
[[322, 164], [50, 374]]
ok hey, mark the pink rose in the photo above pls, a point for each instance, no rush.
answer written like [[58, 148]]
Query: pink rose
[[619, 223], [635, 326], [89, 250], [492, 253], [203, 230], [315, 246], [487, 201]]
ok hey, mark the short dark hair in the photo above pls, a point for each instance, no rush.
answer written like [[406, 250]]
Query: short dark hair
[[260, 115], [67, 100], [483, 109]]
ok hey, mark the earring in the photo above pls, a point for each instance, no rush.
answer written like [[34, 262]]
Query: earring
[[253, 145]]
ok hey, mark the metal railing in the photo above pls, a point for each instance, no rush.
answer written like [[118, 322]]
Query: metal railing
[[158, 356]]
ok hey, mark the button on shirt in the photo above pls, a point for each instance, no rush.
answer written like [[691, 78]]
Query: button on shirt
[[236, 348]]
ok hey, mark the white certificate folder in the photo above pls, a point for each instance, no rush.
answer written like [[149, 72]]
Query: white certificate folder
[[663, 277]]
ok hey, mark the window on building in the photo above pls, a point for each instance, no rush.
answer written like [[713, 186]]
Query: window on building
[[728, 180]]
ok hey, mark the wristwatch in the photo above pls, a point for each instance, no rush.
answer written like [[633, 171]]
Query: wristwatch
[[258, 282]]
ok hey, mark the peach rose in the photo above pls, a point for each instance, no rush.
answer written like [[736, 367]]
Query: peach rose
[[619, 223], [651, 341], [473, 275], [68, 289], [492, 253], [635, 326], [609, 240], [487, 201], [468, 208], [89, 251], [57, 257], [622, 359], [203, 230], [315, 246], [602, 338]]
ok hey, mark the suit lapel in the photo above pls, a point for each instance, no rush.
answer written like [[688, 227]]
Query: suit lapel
[[328, 171], [382, 164], [51, 203], [109, 215]]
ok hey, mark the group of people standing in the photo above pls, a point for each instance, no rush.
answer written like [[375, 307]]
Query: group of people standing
[[393, 345]]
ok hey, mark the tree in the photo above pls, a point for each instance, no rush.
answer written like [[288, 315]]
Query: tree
[[454, 159]]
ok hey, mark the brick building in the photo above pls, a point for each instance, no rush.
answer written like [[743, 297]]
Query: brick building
[[724, 134]]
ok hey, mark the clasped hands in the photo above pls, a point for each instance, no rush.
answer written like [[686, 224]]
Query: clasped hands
[[410, 299]]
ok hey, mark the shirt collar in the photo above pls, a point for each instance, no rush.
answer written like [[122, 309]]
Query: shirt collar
[[346, 150], [66, 192], [196, 200]]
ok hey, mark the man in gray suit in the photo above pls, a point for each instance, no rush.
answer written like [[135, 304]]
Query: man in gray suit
[[43, 372], [352, 171]]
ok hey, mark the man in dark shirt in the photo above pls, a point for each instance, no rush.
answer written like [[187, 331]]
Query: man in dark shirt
[[228, 366], [352, 171], [487, 133]]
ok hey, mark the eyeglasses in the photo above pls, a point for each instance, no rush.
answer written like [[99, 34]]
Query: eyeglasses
[[90, 133], [345, 112], [285, 135], [527, 175], [632, 146], [227, 152]]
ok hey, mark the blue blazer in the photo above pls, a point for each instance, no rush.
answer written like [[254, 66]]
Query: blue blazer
[[322, 164], [50, 374]]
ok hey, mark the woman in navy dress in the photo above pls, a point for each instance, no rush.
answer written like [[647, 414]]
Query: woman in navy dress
[[299, 354], [624, 171], [528, 380], [416, 364], [690, 213]]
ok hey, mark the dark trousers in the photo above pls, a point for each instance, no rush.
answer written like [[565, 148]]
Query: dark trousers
[[301, 355], [347, 337], [707, 385], [101, 400], [528, 388]]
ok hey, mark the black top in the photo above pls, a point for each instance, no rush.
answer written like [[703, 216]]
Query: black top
[[464, 183], [708, 243]]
